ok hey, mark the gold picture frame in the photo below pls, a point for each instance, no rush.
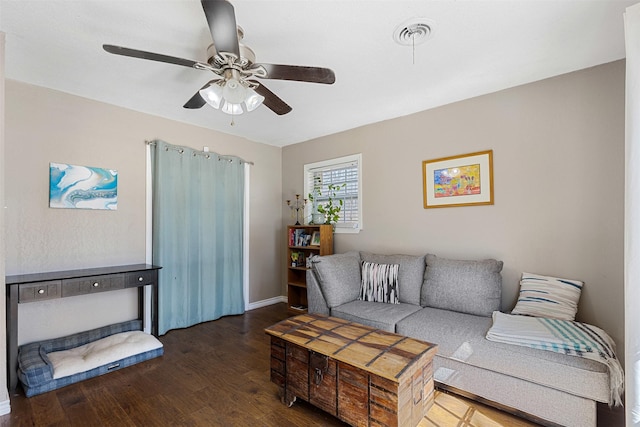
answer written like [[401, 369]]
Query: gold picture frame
[[463, 180]]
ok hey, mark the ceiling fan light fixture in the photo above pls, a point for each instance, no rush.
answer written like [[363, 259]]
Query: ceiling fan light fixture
[[233, 109], [253, 100], [230, 96], [234, 92], [212, 94]]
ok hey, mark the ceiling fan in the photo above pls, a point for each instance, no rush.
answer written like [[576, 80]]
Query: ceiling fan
[[234, 88]]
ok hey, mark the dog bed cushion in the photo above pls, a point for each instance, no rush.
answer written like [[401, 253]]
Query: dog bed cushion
[[36, 370], [101, 352]]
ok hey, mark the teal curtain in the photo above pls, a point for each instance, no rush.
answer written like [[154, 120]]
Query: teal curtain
[[198, 210]]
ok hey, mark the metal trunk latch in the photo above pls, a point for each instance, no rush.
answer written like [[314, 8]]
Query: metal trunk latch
[[320, 364]]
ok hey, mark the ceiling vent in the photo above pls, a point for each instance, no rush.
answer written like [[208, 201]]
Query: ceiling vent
[[413, 32]]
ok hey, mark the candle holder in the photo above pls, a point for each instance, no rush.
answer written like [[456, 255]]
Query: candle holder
[[296, 205]]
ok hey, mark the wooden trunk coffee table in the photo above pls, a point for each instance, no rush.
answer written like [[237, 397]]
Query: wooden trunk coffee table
[[362, 375]]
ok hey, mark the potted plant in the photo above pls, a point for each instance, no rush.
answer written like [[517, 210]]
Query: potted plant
[[330, 210]]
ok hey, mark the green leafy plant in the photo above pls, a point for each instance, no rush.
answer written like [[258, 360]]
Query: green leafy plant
[[332, 210]]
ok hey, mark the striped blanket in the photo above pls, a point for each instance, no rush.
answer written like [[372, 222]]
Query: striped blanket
[[562, 336]]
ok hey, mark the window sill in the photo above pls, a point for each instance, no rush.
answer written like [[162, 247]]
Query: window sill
[[346, 230]]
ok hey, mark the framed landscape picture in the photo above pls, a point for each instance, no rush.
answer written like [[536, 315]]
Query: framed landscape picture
[[315, 238], [463, 180]]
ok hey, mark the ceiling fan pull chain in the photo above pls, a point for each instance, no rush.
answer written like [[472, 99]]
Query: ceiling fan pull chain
[[413, 47]]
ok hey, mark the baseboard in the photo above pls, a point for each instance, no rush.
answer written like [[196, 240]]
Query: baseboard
[[266, 302], [5, 407]]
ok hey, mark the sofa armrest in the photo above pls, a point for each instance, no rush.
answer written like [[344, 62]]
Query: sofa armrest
[[315, 298]]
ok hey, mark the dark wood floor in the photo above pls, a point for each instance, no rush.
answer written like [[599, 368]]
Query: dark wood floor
[[212, 374]]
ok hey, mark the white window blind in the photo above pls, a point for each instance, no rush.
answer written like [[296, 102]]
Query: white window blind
[[345, 173]]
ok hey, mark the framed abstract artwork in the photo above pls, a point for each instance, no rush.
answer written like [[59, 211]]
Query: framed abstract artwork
[[463, 180], [82, 187]]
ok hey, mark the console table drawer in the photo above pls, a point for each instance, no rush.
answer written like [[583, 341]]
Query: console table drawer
[[30, 292], [89, 285], [139, 278]]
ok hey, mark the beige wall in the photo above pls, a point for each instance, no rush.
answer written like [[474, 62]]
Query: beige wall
[[3, 336], [558, 149], [44, 126], [558, 153]]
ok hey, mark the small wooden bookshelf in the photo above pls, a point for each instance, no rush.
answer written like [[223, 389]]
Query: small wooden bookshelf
[[303, 242]]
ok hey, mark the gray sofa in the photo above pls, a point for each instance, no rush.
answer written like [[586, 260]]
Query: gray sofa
[[450, 302]]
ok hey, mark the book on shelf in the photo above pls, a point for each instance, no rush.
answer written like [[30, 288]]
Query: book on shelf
[[299, 237]]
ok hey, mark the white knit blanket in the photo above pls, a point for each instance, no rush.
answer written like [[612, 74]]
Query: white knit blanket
[[561, 336]]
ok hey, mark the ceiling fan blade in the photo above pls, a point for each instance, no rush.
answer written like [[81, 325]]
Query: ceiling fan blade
[[196, 100], [272, 101], [134, 53], [222, 23], [298, 73]]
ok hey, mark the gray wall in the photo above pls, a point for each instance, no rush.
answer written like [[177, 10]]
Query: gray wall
[[44, 126], [558, 148]]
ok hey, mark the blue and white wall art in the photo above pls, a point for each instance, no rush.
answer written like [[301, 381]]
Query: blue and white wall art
[[82, 187]]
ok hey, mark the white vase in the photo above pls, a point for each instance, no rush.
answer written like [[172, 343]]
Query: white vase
[[317, 218]]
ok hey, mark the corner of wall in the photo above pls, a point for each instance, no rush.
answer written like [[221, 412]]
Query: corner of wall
[[5, 404]]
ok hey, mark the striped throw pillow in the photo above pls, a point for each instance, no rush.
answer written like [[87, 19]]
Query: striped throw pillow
[[544, 296], [379, 282]]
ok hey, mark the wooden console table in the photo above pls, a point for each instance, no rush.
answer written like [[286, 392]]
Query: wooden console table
[[25, 288]]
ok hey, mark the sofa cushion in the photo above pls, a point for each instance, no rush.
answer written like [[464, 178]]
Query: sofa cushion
[[472, 287], [410, 273], [461, 337], [338, 276], [545, 296], [379, 282], [376, 314]]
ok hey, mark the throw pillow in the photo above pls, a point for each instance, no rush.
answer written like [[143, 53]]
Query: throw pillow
[[339, 277], [410, 273], [379, 282], [472, 287], [545, 296]]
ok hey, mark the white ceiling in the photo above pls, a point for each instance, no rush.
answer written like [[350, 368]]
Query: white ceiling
[[477, 47]]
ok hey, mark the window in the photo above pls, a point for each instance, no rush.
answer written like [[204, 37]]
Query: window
[[345, 173]]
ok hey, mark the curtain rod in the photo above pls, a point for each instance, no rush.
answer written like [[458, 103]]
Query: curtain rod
[[206, 154]]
